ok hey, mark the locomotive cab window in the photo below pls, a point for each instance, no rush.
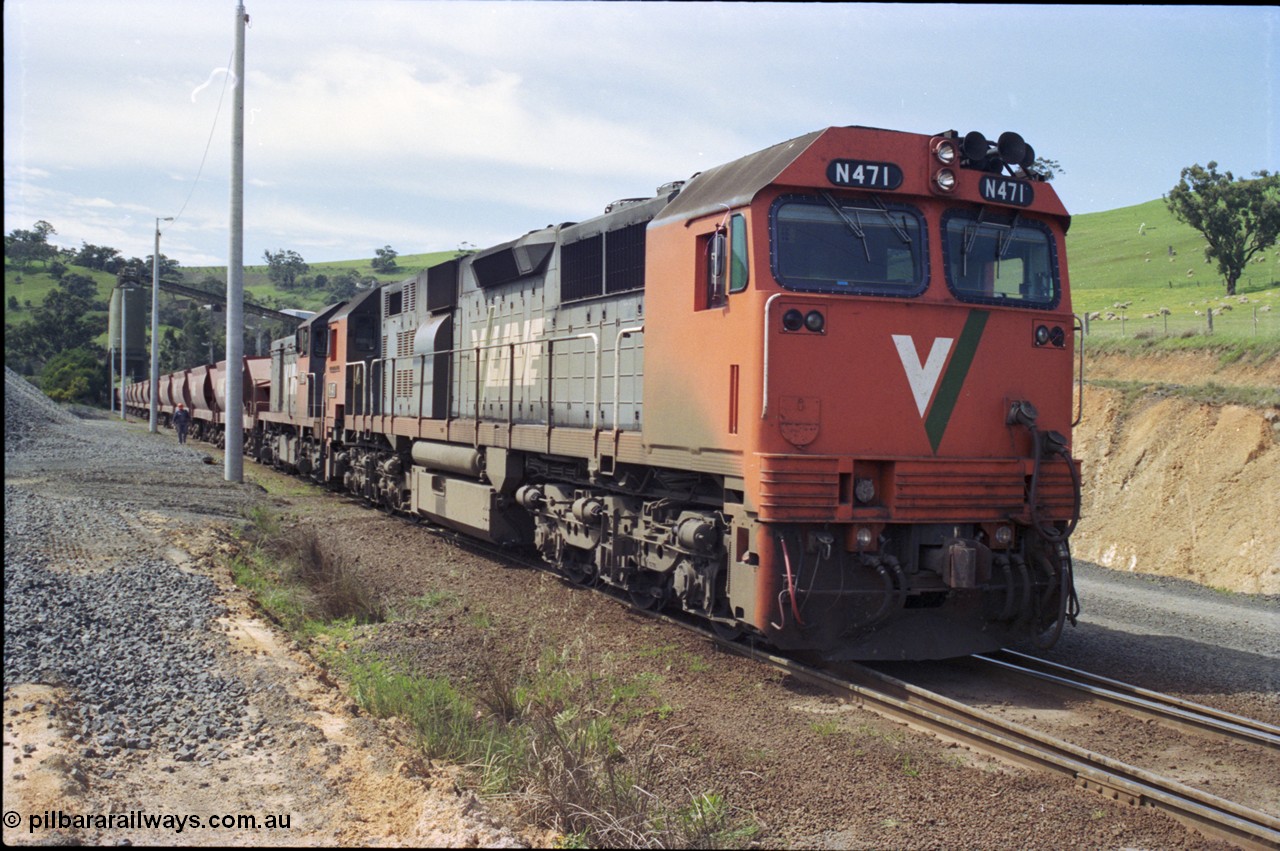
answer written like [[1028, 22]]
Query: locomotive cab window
[[739, 267], [994, 258], [841, 245]]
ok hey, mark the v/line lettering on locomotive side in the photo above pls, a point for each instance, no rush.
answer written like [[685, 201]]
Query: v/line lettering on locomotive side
[[511, 352]]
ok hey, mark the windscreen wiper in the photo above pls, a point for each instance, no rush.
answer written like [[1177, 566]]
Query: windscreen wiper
[[854, 227]]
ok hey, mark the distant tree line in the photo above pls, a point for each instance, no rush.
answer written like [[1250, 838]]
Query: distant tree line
[[288, 271], [56, 346]]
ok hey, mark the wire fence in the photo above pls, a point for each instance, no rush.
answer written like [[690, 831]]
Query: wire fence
[[1245, 321]]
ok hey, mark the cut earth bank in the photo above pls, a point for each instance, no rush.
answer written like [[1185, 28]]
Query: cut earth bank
[[1177, 486]]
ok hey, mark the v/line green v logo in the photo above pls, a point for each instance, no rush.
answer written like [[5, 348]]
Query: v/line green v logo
[[923, 376]]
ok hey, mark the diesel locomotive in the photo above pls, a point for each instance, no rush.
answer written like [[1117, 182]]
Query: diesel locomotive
[[820, 395]]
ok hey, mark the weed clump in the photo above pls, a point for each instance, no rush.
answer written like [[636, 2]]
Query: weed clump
[[301, 578]]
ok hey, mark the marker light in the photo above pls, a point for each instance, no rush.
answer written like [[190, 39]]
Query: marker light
[[815, 321], [792, 320]]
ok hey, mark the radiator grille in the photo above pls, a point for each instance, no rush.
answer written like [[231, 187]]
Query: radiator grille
[[800, 487], [404, 383]]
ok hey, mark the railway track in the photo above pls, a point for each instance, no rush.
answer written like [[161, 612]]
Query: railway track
[[1131, 698], [953, 720]]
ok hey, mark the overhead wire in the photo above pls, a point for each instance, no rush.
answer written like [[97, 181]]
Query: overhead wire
[[209, 143]]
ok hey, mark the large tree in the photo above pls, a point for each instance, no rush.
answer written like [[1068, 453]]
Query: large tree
[[21, 247], [68, 318], [285, 267], [102, 257], [385, 260], [76, 375], [1238, 218]]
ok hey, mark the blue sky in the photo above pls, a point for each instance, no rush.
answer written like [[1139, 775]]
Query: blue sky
[[427, 125]]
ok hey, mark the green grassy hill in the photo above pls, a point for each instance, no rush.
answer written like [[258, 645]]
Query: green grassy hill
[[1142, 257], [258, 286]]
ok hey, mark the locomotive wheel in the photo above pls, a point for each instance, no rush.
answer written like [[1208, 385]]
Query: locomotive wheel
[[644, 599], [579, 573], [726, 632]]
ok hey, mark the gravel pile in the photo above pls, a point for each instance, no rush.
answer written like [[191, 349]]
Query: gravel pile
[[90, 600], [28, 413], [124, 639]]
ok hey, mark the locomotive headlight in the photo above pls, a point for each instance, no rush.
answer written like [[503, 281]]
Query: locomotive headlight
[[865, 537], [815, 321], [1003, 536], [945, 179], [945, 151]]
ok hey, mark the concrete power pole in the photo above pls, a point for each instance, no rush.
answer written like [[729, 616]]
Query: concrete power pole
[[234, 467], [155, 327]]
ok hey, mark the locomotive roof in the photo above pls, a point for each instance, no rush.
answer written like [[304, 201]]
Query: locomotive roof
[[356, 300], [735, 183]]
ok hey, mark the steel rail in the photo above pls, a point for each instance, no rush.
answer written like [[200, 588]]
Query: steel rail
[[1148, 702], [1210, 815]]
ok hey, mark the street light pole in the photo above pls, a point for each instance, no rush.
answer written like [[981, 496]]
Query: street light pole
[[155, 327]]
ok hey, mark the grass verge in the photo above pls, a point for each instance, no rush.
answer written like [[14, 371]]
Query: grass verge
[[1204, 394], [581, 751]]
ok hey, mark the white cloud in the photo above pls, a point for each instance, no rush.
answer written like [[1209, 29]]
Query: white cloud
[[424, 124]]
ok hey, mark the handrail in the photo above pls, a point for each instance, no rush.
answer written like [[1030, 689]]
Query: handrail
[[511, 345], [381, 386], [617, 371], [1079, 328], [358, 363], [764, 389]]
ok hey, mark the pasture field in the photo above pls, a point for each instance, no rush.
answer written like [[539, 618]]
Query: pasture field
[[1139, 275]]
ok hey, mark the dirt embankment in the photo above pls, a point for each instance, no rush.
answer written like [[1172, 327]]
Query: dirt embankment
[[1179, 488]]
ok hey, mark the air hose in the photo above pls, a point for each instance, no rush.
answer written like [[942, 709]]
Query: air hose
[[1047, 445]]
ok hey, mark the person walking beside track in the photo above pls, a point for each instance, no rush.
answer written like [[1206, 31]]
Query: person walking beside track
[[181, 420]]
